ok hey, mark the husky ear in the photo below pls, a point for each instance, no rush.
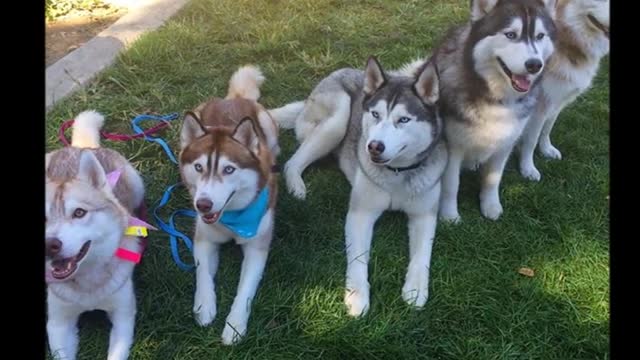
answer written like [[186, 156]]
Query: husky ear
[[90, 170], [427, 83], [480, 8], [191, 128], [373, 76], [245, 133]]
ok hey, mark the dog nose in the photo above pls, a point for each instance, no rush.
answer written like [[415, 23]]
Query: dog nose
[[204, 205], [53, 246], [376, 147], [533, 65]]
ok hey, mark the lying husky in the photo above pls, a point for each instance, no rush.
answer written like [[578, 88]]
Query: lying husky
[[489, 73], [91, 238], [228, 151], [387, 135], [583, 40]]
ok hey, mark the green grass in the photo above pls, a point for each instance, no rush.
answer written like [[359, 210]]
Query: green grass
[[479, 306]]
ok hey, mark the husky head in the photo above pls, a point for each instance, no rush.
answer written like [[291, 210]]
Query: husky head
[[221, 167], [510, 42], [400, 119], [588, 20], [84, 220]]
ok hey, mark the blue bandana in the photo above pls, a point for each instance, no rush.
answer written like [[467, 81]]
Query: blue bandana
[[245, 222]]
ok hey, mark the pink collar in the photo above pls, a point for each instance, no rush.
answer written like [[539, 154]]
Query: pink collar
[[135, 226]]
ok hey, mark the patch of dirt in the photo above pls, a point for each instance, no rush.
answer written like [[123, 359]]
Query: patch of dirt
[[71, 31]]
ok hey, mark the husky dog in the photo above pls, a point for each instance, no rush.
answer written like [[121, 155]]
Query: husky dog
[[583, 40], [489, 73], [87, 223], [387, 135], [228, 151]]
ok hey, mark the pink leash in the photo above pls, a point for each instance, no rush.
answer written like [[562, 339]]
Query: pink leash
[[111, 136]]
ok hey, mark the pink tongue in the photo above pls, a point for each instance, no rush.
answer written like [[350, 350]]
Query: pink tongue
[[522, 81]]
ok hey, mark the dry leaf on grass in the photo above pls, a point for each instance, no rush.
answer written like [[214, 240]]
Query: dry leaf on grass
[[526, 271]]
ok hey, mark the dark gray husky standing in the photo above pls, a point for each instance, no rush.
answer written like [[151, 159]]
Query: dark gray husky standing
[[387, 135], [489, 73]]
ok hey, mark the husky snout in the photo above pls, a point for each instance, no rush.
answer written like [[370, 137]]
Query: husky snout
[[53, 246], [533, 66], [204, 205], [376, 148]]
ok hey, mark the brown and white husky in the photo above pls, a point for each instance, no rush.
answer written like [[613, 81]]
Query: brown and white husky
[[228, 148]]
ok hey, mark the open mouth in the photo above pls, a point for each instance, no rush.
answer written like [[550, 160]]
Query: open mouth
[[62, 269], [520, 83], [379, 161], [599, 25], [211, 218]]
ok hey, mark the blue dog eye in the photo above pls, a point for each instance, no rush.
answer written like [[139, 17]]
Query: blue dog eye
[[404, 120]]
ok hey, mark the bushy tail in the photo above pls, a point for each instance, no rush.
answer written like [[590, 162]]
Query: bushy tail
[[245, 83], [286, 116], [411, 69], [86, 129]]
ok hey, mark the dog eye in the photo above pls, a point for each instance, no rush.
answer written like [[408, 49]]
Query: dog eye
[[79, 213], [198, 167], [510, 35], [404, 120], [375, 114], [228, 170], [540, 36]]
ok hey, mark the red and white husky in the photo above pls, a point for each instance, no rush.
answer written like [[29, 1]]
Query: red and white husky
[[228, 149]]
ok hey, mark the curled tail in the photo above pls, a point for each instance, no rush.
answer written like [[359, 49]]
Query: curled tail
[[286, 116], [245, 83], [86, 129]]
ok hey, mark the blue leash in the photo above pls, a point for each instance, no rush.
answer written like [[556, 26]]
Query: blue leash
[[138, 130], [170, 227]]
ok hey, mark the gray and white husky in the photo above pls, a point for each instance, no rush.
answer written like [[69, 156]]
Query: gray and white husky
[[583, 40], [387, 135], [489, 72]]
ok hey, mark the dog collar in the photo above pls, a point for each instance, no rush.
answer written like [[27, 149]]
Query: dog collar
[[135, 226], [245, 222], [426, 152]]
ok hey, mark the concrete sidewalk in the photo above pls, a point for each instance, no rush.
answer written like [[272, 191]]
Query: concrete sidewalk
[[79, 67]]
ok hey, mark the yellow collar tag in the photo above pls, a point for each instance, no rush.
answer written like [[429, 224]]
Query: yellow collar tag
[[136, 231]]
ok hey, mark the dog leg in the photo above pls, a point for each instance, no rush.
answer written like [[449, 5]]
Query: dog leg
[[450, 186], [123, 317], [544, 144], [253, 264], [320, 142], [492, 172], [62, 330], [365, 207], [422, 229], [528, 144], [206, 257]]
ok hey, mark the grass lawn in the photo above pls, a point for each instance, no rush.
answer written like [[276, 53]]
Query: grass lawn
[[479, 306]]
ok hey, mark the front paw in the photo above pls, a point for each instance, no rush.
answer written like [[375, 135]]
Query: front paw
[[551, 152], [234, 331], [491, 209], [357, 301], [530, 172], [295, 184], [415, 291], [204, 308], [449, 214]]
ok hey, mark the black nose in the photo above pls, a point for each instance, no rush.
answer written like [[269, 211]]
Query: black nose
[[533, 66], [53, 246], [204, 205], [376, 147]]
